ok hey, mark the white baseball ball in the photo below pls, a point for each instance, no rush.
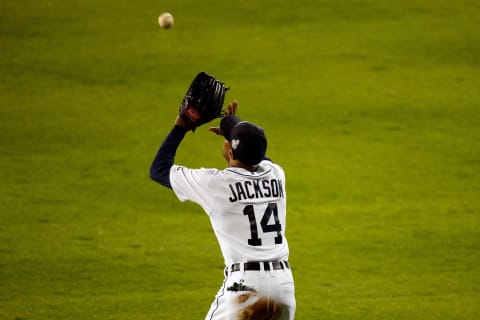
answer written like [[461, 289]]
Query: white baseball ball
[[165, 20]]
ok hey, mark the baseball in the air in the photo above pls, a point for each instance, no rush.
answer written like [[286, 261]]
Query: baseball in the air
[[165, 20]]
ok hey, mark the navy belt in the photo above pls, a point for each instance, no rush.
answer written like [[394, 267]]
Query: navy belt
[[257, 266]]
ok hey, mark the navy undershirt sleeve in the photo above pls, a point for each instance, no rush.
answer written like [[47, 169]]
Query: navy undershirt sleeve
[[160, 169]]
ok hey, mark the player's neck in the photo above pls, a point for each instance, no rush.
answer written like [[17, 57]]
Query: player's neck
[[238, 164]]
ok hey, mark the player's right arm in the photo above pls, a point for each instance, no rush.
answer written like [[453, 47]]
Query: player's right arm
[[231, 110]]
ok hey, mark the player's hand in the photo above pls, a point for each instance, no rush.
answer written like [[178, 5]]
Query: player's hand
[[229, 111]]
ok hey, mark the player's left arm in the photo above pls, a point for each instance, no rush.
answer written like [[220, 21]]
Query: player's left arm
[[163, 161]]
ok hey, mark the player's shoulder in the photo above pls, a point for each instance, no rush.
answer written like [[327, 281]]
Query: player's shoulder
[[265, 168], [196, 171], [270, 164], [275, 168]]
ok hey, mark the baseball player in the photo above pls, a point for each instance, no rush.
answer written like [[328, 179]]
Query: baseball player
[[246, 204]]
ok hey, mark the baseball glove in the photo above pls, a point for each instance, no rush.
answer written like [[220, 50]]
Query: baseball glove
[[203, 101]]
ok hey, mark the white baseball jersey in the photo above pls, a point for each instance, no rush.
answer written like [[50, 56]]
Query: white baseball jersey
[[247, 209]]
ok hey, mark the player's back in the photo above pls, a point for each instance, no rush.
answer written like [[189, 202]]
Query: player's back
[[249, 214]]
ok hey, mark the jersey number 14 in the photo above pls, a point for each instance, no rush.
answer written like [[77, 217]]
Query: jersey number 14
[[264, 223]]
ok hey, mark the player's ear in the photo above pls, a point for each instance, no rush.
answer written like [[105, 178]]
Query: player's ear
[[227, 150], [226, 145]]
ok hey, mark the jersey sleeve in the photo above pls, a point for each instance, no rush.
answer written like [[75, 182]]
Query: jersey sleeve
[[197, 185]]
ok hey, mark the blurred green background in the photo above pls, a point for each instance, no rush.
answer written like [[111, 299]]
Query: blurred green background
[[371, 107]]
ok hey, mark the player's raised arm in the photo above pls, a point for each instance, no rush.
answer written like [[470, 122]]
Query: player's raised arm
[[202, 103], [163, 161]]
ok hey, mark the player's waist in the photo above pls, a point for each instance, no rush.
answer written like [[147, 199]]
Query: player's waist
[[258, 266]]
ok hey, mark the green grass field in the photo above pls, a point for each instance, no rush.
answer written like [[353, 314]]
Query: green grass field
[[372, 108]]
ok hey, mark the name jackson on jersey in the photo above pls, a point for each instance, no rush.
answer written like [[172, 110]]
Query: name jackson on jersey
[[254, 189]]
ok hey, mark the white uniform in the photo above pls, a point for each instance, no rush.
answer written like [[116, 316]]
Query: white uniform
[[247, 211]]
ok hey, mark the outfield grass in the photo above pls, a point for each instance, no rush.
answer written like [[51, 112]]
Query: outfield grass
[[371, 107]]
